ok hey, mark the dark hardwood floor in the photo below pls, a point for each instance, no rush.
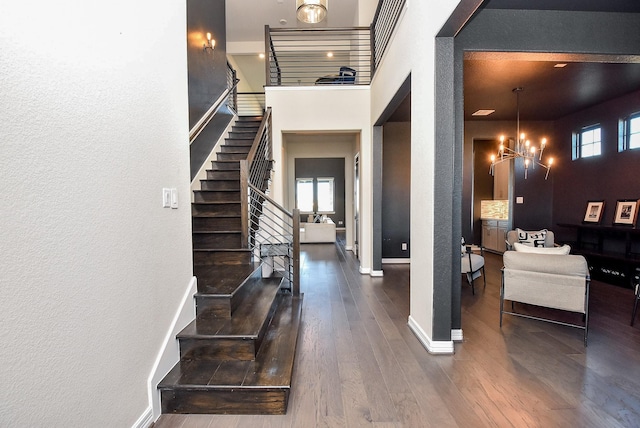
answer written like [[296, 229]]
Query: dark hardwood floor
[[359, 364]]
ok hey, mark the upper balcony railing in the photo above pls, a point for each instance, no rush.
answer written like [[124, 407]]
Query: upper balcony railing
[[333, 56]]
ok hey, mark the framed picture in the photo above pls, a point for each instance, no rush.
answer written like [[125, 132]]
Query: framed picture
[[594, 212], [626, 212]]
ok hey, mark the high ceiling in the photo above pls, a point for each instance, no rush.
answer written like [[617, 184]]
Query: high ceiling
[[549, 92]]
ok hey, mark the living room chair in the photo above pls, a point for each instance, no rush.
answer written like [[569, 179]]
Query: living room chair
[[472, 265], [546, 280]]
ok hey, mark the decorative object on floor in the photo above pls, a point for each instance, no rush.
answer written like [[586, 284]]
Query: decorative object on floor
[[551, 281], [626, 212], [594, 211], [311, 11], [472, 265], [521, 148]]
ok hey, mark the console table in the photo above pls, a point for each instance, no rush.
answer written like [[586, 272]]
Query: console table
[[613, 252]]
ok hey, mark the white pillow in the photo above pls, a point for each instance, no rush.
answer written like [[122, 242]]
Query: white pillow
[[532, 238], [562, 251]]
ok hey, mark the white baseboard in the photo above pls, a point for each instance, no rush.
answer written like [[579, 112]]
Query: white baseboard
[[398, 261], [364, 271], [432, 346], [169, 353], [348, 248], [145, 420], [456, 335], [376, 273]]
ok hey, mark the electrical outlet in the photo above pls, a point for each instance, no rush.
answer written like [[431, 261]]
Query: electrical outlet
[[404, 246], [340, 223]]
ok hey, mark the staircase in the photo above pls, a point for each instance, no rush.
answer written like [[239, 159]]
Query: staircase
[[237, 356]]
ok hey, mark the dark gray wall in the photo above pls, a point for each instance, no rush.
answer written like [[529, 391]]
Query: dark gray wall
[[611, 176], [325, 167], [584, 33], [206, 70], [482, 185], [396, 189]]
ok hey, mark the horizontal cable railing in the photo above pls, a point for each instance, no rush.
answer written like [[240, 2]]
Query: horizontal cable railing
[[250, 103], [312, 56], [384, 22]]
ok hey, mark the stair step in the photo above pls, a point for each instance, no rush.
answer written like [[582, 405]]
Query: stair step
[[238, 142], [242, 134], [224, 156], [235, 338], [222, 208], [222, 288], [235, 149], [221, 195], [217, 184], [217, 239], [240, 387], [212, 222], [224, 174], [225, 165], [215, 256]]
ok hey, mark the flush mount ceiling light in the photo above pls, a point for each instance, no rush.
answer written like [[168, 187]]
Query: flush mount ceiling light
[[311, 11]]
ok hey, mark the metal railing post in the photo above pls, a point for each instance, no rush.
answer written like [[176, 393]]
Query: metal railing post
[[295, 287]]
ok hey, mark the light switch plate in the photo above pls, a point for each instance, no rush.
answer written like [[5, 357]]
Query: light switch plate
[[174, 198], [166, 198], [520, 200]]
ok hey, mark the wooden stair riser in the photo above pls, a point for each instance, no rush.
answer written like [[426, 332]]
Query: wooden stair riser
[[238, 142], [217, 256], [249, 401], [219, 240], [217, 196], [231, 156], [234, 149], [225, 165], [242, 134], [221, 208], [219, 349], [216, 224], [224, 175], [220, 185]]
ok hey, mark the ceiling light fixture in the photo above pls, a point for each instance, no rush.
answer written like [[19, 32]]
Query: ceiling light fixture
[[521, 148], [311, 11]]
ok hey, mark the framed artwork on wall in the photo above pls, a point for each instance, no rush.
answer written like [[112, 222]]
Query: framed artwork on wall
[[626, 212], [594, 212]]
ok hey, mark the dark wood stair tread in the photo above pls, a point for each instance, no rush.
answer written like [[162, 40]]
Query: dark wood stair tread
[[273, 366], [246, 322]]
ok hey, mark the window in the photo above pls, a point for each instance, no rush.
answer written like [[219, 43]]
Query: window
[[588, 143], [315, 195], [629, 133], [304, 194], [325, 195]]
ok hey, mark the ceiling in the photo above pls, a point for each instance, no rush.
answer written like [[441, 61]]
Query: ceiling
[[549, 92]]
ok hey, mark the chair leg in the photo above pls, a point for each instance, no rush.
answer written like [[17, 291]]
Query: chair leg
[[484, 278], [635, 307]]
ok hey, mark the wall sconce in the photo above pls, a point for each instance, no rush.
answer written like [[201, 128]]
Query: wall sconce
[[210, 43]]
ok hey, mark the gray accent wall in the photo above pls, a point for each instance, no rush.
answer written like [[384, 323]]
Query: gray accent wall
[[326, 167], [396, 189], [207, 70]]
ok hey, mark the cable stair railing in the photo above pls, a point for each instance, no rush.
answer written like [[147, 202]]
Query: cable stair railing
[[271, 232]]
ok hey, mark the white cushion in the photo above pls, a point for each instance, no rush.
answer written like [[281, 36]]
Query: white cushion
[[532, 238], [563, 251], [477, 262]]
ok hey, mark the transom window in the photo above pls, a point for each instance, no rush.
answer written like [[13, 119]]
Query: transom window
[[630, 133], [588, 142]]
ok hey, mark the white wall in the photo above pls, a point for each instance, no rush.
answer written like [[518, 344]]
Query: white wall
[[412, 50], [94, 124], [322, 146], [321, 110]]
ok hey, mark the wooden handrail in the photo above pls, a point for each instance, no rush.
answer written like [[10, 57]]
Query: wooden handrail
[[206, 118], [258, 138]]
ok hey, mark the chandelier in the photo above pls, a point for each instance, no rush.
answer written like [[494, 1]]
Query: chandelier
[[311, 11], [521, 148]]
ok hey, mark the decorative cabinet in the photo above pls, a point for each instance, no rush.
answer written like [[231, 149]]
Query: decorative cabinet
[[494, 233]]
